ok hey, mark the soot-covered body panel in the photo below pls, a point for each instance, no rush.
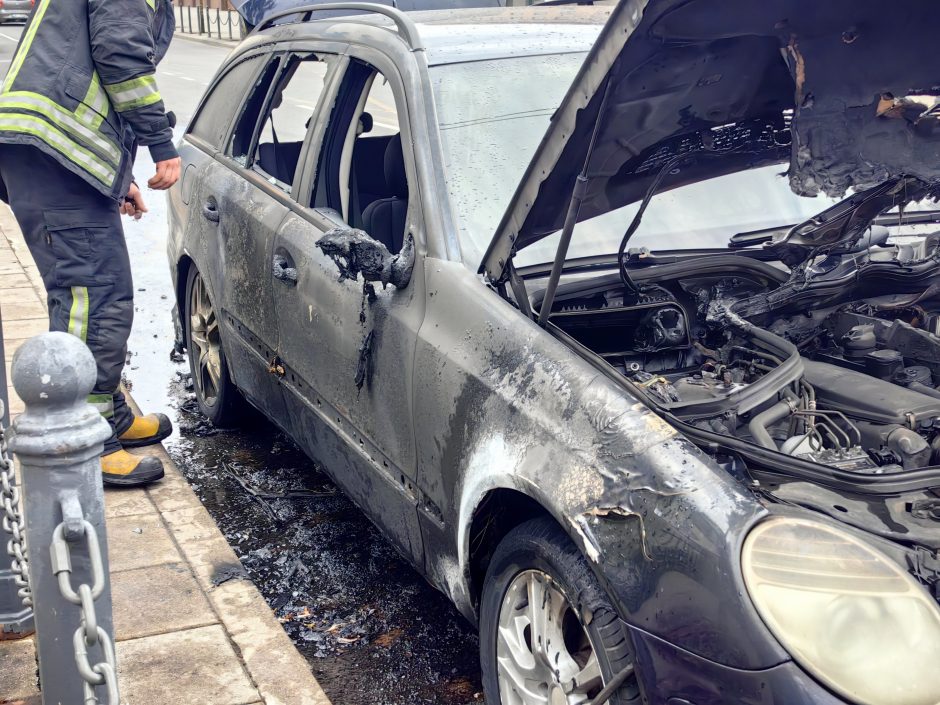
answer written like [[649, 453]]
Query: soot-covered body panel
[[644, 504], [662, 415]]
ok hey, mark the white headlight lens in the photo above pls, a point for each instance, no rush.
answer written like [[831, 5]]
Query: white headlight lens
[[847, 614]]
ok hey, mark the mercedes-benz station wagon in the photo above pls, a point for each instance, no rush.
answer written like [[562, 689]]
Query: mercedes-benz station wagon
[[622, 323]]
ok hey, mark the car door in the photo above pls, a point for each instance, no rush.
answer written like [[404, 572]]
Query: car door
[[225, 247], [246, 202], [348, 350]]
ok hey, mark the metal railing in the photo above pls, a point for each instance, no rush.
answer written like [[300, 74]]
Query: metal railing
[[58, 441], [213, 22]]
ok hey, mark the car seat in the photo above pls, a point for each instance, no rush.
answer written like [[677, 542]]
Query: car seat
[[279, 159], [384, 219]]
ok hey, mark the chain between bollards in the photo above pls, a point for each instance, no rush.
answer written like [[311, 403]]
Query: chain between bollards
[[13, 523], [16, 615]]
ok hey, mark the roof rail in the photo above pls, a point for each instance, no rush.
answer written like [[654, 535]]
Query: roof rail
[[406, 28]]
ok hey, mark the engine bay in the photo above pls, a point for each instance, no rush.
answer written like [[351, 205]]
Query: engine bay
[[835, 361]]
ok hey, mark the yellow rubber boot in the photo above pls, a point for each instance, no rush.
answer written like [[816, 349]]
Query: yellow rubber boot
[[126, 470], [146, 430]]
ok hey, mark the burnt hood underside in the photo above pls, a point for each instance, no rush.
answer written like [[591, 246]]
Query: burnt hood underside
[[732, 85]]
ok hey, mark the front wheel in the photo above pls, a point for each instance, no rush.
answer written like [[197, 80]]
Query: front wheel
[[218, 398], [548, 633]]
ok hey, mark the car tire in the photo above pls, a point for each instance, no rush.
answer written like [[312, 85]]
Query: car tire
[[223, 404], [540, 548]]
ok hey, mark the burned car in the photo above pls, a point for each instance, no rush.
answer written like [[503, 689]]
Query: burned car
[[662, 419]]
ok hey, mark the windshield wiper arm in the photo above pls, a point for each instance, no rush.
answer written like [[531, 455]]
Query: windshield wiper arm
[[749, 238], [908, 218]]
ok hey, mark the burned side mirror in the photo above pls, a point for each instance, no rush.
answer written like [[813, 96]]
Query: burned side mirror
[[354, 252]]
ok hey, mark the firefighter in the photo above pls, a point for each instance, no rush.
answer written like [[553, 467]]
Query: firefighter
[[79, 97]]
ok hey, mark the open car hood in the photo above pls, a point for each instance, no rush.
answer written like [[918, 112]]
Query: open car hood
[[841, 88], [253, 11]]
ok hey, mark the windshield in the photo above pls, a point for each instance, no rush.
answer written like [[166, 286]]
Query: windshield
[[492, 115], [701, 215]]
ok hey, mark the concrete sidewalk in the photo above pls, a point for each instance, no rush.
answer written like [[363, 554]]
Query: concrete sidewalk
[[191, 628]]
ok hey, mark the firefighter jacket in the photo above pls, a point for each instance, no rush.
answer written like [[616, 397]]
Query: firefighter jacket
[[81, 87]]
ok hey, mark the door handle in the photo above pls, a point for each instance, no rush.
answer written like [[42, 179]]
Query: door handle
[[210, 210], [284, 270]]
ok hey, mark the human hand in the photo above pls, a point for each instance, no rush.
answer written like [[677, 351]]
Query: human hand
[[133, 204], [168, 173]]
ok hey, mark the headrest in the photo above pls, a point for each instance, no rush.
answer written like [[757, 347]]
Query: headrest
[[395, 178], [365, 123]]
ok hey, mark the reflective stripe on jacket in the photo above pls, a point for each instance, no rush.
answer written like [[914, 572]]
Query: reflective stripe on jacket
[[81, 87]]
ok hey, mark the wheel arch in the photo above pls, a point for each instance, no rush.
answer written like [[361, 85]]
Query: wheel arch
[[183, 265], [499, 511]]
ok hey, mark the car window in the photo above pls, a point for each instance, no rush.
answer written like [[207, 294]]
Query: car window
[[380, 107], [361, 173], [287, 116], [244, 130], [216, 113]]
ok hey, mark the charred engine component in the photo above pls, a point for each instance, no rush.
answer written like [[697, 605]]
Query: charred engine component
[[852, 421], [875, 345], [907, 446], [661, 328], [863, 397], [709, 385], [627, 330]]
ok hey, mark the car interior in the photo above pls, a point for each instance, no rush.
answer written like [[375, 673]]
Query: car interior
[[290, 108], [362, 172]]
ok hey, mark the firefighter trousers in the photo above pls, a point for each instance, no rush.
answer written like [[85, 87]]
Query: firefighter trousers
[[76, 238]]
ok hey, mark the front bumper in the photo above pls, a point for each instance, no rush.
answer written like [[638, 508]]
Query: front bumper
[[674, 676]]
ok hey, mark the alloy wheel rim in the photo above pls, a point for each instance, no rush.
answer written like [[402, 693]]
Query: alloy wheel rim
[[543, 653], [205, 344]]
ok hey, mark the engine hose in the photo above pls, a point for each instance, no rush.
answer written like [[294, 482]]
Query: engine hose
[[924, 389], [758, 425]]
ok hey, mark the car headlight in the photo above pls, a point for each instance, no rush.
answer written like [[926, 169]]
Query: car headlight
[[849, 615]]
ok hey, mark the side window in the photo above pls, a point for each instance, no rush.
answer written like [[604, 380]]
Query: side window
[[361, 173], [216, 113], [286, 115], [244, 132]]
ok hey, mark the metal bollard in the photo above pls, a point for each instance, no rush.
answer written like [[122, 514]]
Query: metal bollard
[[58, 441]]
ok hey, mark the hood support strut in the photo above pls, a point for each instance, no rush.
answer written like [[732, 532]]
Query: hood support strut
[[574, 207], [571, 218]]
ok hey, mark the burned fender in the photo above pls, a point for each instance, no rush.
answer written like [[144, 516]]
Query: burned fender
[[660, 523], [355, 252]]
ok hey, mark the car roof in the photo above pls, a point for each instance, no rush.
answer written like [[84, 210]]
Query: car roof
[[478, 34]]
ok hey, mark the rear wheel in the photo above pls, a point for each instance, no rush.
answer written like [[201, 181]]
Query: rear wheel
[[218, 398], [548, 633]]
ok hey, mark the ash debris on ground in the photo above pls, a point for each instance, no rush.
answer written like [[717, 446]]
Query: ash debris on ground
[[372, 629]]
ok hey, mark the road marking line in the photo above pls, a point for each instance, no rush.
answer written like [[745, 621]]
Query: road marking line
[[7, 36], [187, 78]]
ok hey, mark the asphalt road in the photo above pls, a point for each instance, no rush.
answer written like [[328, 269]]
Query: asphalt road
[[372, 629]]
